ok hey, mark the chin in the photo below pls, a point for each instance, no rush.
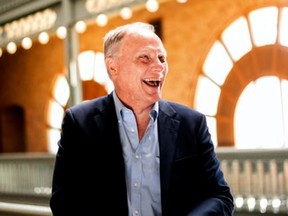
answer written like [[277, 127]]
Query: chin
[[156, 98]]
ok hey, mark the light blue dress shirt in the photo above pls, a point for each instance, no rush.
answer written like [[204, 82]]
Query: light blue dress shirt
[[142, 161]]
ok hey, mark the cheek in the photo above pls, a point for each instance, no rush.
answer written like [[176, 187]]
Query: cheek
[[166, 68], [129, 78], [131, 73]]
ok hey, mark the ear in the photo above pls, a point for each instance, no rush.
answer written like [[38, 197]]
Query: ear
[[111, 66]]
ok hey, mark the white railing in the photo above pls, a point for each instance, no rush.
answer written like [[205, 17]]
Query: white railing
[[258, 180], [25, 184], [28, 175]]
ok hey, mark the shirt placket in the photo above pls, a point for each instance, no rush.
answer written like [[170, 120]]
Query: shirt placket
[[136, 166]]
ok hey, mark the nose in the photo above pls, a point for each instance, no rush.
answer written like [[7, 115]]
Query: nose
[[159, 66]]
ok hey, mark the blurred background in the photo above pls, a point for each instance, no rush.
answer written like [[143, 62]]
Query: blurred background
[[227, 59]]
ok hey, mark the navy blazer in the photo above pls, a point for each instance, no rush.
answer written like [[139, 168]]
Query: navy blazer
[[89, 172]]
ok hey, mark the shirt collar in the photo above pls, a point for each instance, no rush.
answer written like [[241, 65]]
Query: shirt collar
[[119, 106]]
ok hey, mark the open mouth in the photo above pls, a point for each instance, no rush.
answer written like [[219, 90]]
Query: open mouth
[[152, 82]]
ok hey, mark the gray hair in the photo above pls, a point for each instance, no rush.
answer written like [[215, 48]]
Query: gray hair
[[113, 37]]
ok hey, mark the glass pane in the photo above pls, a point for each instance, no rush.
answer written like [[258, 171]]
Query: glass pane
[[53, 138], [264, 25], [211, 121], [258, 116], [61, 91], [284, 85], [207, 96], [236, 38], [55, 114], [86, 61], [101, 75], [244, 135], [218, 63], [283, 31]]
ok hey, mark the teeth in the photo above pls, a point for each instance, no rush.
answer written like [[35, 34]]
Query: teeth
[[152, 82]]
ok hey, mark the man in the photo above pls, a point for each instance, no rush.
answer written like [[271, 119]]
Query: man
[[132, 153]]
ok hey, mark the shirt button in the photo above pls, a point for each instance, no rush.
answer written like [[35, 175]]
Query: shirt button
[[135, 184], [137, 156], [132, 130], [136, 212]]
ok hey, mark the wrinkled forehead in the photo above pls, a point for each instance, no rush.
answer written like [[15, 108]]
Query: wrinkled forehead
[[143, 39]]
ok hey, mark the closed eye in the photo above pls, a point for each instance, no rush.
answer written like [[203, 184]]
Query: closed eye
[[145, 58]]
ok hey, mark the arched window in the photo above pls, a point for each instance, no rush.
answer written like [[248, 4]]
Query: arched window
[[95, 83], [92, 67], [260, 28], [56, 107]]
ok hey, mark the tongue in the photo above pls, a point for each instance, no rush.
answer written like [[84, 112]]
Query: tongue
[[152, 83]]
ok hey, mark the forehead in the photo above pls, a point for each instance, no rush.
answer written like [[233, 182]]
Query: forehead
[[141, 41]]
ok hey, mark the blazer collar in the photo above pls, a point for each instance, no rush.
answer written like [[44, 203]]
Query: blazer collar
[[168, 127]]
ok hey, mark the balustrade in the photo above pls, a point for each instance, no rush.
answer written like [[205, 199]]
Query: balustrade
[[258, 180]]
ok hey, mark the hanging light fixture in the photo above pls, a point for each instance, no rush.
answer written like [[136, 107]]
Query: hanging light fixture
[[1, 52], [101, 20], [43, 38], [152, 6], [11, 48], [61, 32], [182, 1], [80, 26], [26, 43], [126, 13]]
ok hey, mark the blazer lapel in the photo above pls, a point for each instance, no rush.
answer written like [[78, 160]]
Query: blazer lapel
[[168, 127], [106, 124]]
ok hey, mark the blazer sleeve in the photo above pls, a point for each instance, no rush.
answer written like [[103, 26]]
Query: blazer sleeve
[[196, 183], [217, 198]]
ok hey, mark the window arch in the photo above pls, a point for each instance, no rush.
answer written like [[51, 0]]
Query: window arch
[[56, 107], [246, 50], [92, 67], [94, 79]]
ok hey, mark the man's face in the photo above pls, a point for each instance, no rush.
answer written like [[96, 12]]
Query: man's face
[[140, 69]]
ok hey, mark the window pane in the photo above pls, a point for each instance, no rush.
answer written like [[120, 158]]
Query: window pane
[[236, 38], [258, 116], [283, 32], [217, 64], [244, 135], [207, 96], [55, 114], [211, 121], [53, 138], [61, 91], [100, 72], [86, 62], [264, 25], [284, 85]]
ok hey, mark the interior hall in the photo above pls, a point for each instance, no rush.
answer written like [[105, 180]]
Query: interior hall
[[227, 59]]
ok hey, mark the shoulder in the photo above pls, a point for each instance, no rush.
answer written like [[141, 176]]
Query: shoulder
[[179, 110], [91, 107], [189, 119]]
